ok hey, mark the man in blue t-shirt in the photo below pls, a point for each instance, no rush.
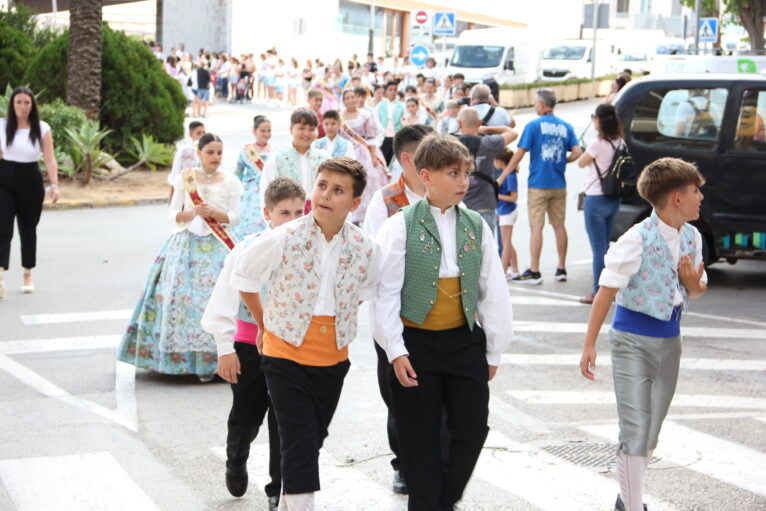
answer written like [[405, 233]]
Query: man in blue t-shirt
[[547, 139]]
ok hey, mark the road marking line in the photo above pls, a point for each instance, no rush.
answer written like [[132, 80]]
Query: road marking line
[[564, 397], [535, 300], [49, 389], [75, 482], [509, 413], [573, 360], [579, 328], [526, 289], [714, 457], [762, 419], [343, 487], [74, 317], [546, 481], [60, 344], [581, 262]]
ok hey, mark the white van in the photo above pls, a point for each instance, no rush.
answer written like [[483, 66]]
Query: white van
[[571, 58], [507, 55], [667, 64]]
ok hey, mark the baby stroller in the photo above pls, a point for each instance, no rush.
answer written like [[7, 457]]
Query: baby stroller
[[243, 90]]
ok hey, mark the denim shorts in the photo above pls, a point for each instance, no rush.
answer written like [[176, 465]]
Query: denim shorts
[[203, 94]]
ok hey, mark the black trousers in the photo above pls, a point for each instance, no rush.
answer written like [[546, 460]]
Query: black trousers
[[452, 375], [249, 407], [304, 399], [21, 197], [387, 148]]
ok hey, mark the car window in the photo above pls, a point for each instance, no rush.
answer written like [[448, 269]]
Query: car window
[[680, 118], [750, 134]]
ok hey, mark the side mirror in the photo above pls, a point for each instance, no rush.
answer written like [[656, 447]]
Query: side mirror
[[509, 65]]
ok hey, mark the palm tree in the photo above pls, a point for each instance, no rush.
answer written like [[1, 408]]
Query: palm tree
[[84, 58]]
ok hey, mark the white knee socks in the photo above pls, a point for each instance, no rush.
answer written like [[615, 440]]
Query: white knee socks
[[296, 502], [630, 475]]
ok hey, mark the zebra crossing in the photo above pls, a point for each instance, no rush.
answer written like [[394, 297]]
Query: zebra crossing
[[541, 453]]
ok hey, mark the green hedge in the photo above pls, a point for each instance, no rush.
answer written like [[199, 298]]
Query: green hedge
[[60, 116], [137, 95], [540, 85], [15, 52]]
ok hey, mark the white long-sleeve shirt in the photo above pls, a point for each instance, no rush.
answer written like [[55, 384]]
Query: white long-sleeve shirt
[[494, 305], [623, 259], [223, 196], [220, 316], [259, 259]]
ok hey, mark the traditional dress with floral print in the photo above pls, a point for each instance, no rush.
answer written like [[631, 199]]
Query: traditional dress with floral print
[[249, 172], [164, 332]]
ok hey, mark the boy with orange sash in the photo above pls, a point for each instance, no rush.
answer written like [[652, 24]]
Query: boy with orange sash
[[318, 269], [443, 316]]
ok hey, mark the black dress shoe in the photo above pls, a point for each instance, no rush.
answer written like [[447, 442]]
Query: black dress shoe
[[236, 481], [399, 484], [273, 503], [620, 506]]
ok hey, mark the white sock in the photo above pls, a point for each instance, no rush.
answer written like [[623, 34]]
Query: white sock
[[296, 502], [648, 459], [630, 475]]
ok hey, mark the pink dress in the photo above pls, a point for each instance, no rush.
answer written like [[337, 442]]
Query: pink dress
[[377, 174]]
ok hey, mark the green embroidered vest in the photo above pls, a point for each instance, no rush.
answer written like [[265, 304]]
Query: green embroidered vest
[[423, 258]]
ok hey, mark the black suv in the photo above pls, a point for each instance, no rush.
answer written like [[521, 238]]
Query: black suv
[[717, 122]]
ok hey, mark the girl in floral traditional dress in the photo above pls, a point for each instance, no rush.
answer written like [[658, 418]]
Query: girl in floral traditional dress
[[249, 167], [164, 333]]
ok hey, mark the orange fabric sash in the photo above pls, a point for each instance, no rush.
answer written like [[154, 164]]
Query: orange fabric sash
[[219, 231], [394, 196]]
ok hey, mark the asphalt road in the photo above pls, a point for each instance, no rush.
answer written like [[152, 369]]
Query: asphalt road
[[79, 431]]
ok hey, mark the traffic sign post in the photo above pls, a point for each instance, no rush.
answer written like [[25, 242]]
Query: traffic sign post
[[445, 23], [708, 30], [421, 22], [418, 55]]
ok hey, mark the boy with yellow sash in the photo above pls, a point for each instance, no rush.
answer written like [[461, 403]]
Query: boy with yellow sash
[[443, 316]]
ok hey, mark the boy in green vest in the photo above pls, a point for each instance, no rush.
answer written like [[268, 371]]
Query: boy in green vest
[[443, 315]]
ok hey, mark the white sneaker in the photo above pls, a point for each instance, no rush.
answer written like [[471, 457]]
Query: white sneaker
[[510, 275]]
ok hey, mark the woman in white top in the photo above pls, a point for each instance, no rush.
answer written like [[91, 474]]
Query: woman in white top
[[600, 210], [23, 137], [164, 333]]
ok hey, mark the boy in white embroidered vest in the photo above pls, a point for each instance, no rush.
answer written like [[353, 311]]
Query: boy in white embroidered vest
[[385, 203], [439, 272], [331, 143], [299, 160], [239, 362], [651, 270], [318, 269]]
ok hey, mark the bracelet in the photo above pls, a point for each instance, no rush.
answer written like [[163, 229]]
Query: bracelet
[[53, 185]]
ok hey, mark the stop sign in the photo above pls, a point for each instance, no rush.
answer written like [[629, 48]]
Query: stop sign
[[421, 17]]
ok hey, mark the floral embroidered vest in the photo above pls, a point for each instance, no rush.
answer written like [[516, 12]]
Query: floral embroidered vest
[[651, 290], [289, 162], [422, 260], [337, 151], [394, 197], [294, 285]]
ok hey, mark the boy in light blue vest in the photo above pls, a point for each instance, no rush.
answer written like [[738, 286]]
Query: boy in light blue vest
[[333, 144], [443, 317], [652, 270]]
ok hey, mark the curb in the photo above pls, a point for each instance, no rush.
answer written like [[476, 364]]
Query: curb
[[104, 203]]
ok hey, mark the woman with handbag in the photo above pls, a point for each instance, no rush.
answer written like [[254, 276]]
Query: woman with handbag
[[600, 210]]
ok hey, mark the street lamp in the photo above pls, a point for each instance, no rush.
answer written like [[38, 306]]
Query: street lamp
[[370, 43]]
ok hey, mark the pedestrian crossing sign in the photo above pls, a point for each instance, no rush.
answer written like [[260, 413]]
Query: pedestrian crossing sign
[[708, 30], [445, 23]]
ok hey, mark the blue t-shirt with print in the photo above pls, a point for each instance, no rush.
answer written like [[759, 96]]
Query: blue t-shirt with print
[[511, 184], [547, 139]]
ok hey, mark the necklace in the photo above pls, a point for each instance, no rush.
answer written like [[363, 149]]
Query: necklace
[[262, 145], [210, 175]]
